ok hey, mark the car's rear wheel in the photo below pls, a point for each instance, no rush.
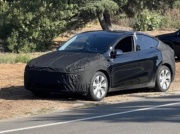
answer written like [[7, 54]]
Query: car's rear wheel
[[163, 79], [98, 87]]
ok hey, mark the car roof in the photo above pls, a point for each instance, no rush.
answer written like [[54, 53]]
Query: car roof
[[115, 32], [108, 32]]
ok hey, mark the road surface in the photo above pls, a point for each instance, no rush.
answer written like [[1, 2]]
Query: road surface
[[147, 116]]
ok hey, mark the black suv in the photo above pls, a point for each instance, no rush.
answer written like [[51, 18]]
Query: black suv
[[97, 62], [173, 40]]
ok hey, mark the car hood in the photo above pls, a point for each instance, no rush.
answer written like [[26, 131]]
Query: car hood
[[60, 61]]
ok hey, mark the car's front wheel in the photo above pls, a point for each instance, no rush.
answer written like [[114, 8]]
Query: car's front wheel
[[98, 87], [163, 79]]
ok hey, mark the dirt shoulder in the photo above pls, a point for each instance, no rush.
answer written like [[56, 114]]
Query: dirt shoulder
[[16, 102]]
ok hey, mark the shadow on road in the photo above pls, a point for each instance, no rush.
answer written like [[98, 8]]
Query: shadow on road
[[169, 114], [160, 114]]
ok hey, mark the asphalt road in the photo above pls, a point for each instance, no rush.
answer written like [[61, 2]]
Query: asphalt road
[[148, 116]]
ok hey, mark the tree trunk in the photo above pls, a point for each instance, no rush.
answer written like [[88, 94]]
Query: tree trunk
[[105, 21]]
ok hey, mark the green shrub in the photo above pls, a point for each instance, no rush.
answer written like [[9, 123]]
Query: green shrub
[[171, 19], [29, 26], [12, 58], [147, 21], [177, 4], [123, 20], [6, 59], [22, 58]]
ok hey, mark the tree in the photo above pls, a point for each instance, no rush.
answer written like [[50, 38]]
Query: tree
[[133, 7], [102, 9], [29, 26]]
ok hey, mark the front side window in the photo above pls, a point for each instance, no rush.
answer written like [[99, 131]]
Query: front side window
[[145, 42], [126, 44], [89, 42]]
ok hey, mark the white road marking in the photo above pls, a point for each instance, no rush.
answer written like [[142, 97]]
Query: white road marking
[[88, 118]]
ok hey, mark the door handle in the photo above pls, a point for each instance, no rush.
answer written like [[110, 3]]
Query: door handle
[[138, 48]]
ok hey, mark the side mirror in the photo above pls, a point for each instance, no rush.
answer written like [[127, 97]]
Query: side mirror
[[115, 53], [118, 52]]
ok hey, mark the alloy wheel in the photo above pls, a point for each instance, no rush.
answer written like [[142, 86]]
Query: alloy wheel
[[165, 79], [100, 86]]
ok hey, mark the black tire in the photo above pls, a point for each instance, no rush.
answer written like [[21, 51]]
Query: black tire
[[163, 79], [98, 92], [40, 93]]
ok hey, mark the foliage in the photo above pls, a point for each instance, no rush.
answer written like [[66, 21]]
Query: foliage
[[134, 7], [101, 9], [28, 26], [100, 6], [31, 25], [177, 4], [22, 58], [171, 19], [11, 58], [147, 21]]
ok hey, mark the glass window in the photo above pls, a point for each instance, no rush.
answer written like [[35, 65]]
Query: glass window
[[89, 42], [126, 44], [146, 42]]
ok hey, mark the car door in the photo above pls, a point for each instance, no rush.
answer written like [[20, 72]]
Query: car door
[[149, 57], [125, 67]]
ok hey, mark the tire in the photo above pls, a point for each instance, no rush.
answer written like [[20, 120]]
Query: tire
[[98, 87], [163, 79]]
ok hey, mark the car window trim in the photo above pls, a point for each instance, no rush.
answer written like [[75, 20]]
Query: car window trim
[[149, 37], [129, 35]]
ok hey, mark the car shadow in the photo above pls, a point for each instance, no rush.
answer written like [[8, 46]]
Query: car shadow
[[130, 92], [19, 93]]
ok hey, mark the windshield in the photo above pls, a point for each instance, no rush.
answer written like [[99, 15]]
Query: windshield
[[89, 43]]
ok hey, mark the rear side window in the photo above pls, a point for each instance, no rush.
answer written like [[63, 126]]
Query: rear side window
[[146, 42]]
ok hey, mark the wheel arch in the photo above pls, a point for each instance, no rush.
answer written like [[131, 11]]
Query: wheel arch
[[169, 66], [107, 76], [158, 87], [170, 44], [163, 64]]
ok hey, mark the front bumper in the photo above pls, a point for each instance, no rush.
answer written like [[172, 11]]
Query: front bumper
[[55, 81]]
